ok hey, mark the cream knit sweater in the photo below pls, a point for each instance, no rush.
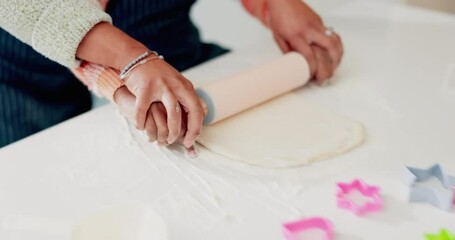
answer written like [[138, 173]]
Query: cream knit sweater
[[53, 28]]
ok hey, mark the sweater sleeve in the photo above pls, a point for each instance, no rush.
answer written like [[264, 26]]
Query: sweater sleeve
[[54, 28], [101, 80]]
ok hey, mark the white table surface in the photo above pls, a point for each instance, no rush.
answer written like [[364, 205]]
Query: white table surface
[[395, 79]]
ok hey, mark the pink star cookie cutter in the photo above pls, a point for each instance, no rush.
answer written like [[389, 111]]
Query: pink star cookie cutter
[[372, 192], [291, 230]]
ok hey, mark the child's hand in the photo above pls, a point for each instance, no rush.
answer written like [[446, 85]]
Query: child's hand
[[157, 129], [155, 125]]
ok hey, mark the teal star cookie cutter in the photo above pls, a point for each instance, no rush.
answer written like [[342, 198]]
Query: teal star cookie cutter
[[442, 199]]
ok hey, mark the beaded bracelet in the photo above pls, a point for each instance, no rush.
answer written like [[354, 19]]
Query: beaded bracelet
[[140, 60]]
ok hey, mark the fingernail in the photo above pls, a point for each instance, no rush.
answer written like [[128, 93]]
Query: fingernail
[[188, 143], [170, 140], [325, 83], [173, 139], [192, 153]]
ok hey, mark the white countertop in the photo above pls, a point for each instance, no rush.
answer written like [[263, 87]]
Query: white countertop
[[395, 79]]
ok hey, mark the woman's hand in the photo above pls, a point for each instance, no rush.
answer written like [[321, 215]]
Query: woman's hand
[[296, 27], [157, 81], [324, 64]]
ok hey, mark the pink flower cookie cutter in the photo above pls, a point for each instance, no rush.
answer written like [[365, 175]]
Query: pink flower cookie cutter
[[291, 230], [374, 204]]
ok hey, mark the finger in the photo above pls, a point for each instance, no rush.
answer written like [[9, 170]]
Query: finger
[[195, 115], [150, 126], [330, 43], [284, 46], [340, 46], [159, 115], [324, 64], [183, 127], [125, 100], [300, 45], [142, 106], [191, 152], [174, 116], [205, 108]]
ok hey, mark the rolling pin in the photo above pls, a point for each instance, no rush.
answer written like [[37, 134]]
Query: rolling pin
[[232, 95]]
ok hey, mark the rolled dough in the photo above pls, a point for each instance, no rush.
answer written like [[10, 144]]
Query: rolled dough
[[288, 131]]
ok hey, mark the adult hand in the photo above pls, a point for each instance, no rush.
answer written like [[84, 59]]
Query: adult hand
[[324, 64], [157, 81], [296, 27]]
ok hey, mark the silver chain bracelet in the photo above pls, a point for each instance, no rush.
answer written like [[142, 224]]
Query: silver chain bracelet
[[140, 60]]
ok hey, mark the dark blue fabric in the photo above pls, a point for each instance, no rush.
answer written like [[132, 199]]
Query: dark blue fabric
[[36, 93]]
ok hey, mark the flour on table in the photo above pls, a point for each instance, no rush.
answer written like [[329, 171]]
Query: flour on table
[[286, 132], [123, 222]]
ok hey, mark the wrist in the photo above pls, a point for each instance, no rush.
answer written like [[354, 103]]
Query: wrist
[[259, 9], [138, 61], [108, 83], [119, 93], [128, 54]]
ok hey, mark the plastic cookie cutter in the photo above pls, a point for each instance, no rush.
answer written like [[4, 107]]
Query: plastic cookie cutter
[[443, 235], [442, 197], [372, 200], [297, 230]]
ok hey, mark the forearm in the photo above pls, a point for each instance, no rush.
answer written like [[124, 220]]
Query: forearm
[[102, 81], [253, 6], [109, 46]]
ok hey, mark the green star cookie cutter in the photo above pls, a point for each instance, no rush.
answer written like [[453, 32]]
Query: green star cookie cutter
[[444, 234]]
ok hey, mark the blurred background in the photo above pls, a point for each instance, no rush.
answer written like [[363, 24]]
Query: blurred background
[[439, 5], [211, 14]]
